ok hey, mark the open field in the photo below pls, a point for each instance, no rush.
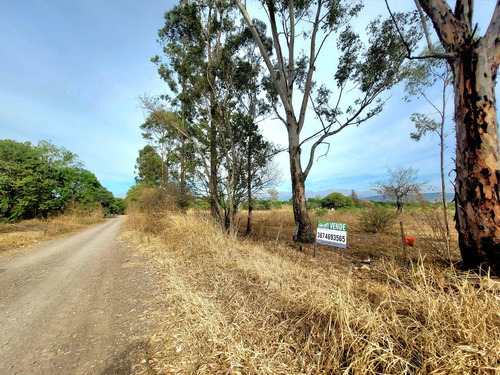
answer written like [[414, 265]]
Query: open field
[[29, 232], [238, 305], [426, 225]]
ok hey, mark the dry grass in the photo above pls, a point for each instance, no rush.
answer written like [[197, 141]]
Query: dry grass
[[427, 225], [29, 232], [234, 306]]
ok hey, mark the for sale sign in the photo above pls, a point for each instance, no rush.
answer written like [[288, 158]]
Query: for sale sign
[[333, 234]]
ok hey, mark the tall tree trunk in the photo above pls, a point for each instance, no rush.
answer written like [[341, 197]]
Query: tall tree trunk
[[162, 185], [399, 205], [249, 188], [477, 158], [303, 229], [212, 181], [474, 62], [183, 174]]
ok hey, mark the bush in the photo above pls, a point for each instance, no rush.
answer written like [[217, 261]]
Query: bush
[[376, 219], [313, 203], [276, 204], [321, 212], [336, 201], [204, 204]]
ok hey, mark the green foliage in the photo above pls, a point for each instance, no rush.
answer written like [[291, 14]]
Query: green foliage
[[43, 180], [119, 206], [202, 204], [148, 166], [321, 212], [337, 201], [385, 204], [313, 203], [134, 193], [376, 219]]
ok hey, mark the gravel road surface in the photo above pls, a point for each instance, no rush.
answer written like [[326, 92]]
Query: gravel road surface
[[76, 305]]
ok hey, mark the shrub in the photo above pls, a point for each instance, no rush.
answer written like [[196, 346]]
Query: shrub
[[376, 219], [276, 204], [313, 203], [336, 201], [321, 212], [204, 204]]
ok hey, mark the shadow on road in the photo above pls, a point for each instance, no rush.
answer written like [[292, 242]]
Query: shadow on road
[[133, 360]]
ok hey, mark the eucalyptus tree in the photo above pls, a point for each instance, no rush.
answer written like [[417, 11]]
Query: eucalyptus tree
[[207, 60], [252, 107], [169, 133], [366, 71], [149, 167], [258, 170], [159, 131], [473, 60], [196, 69]]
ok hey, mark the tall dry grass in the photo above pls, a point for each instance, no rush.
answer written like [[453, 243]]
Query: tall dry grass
[[231, 306], [427, 225], [29, 232]]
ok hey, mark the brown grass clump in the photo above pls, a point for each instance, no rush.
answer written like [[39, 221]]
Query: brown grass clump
[[29, 232], [239, 307]]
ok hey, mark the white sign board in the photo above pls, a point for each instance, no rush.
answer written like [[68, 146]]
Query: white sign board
[[333, 234]]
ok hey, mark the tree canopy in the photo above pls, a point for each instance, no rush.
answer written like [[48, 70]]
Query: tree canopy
[[41, 180]]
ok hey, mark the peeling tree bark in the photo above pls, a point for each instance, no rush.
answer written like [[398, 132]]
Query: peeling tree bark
[[477, 158], [474, 67]]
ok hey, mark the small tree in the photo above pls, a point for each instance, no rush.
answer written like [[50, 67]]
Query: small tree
[[336, 201], [355, 198], [402, 186], [274, 195], [158, 132], [148, 166]]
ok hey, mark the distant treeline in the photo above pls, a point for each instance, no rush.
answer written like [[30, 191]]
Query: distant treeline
[[42, 180], [336, 201]]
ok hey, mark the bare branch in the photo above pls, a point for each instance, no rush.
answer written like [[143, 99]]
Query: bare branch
[[424, 26], [265, 55]]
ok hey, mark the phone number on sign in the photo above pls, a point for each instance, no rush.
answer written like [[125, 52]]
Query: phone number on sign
[[331, 237]]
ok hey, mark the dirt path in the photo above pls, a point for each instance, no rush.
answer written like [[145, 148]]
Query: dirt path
[[76, 305]]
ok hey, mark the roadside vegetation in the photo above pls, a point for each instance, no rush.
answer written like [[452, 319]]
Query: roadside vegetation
[[29, 232], [45, 192], [262, 304]]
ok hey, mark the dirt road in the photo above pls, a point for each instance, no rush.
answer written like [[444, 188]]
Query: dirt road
[[75, 305]]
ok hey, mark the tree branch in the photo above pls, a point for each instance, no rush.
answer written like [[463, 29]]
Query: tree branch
[[312, 59], [408, 49], [490, 39], [265, 55], [452, 32], [424, 26]]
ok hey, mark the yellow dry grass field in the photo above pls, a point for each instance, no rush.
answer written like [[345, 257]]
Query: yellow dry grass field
[[249, 305], [29, 232], [427, 225]]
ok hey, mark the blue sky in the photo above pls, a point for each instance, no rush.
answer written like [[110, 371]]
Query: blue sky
[[71, 72]]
